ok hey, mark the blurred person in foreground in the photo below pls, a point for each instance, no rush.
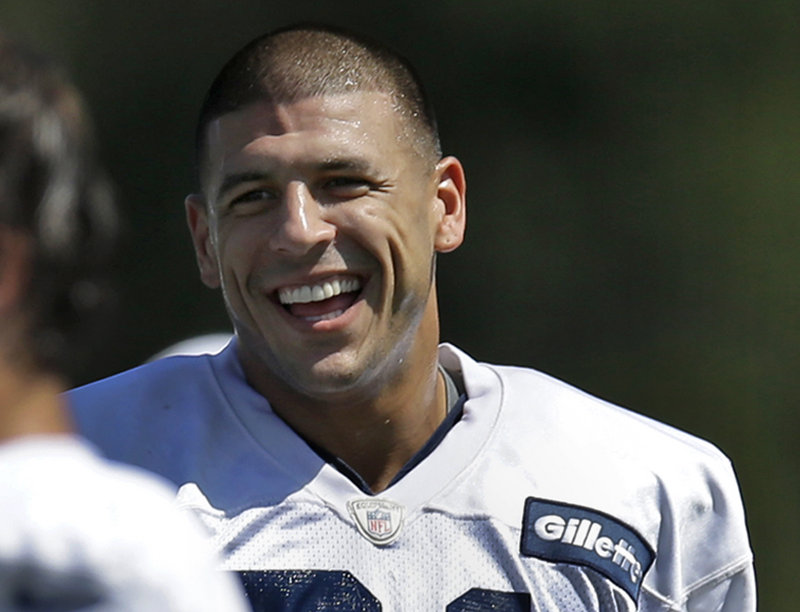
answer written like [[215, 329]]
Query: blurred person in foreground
[[344, 458], [76, 532]]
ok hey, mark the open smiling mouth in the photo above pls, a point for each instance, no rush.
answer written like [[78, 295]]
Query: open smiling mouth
[[320, 301]]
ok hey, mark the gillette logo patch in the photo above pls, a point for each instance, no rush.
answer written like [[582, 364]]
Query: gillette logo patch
[[563, 533]]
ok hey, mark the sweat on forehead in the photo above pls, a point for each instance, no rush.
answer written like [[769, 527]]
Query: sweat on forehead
[[307, 61]]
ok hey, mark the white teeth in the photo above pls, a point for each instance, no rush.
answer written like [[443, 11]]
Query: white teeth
[[317, 293]]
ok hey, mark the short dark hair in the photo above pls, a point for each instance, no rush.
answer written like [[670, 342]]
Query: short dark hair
[[53, 190], [307, 60]]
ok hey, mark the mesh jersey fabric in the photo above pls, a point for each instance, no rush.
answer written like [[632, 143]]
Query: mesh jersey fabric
[[282, 516]]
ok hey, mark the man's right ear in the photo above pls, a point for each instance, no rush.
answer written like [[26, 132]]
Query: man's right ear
[[197, 219]]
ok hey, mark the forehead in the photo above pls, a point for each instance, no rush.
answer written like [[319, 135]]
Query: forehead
[[320, 126]]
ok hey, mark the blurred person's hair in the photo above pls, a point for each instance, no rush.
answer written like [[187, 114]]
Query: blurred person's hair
[[53, 191]]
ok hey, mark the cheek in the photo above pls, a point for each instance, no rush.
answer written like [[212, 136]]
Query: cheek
[[401, 238], [237, 248], [413, 236], [402, 227], [364, 225]]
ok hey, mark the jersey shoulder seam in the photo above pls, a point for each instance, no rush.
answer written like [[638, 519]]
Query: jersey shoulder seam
[[726, 572]]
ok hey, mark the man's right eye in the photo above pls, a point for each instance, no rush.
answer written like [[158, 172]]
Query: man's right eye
[[254, 195], [252, 201]]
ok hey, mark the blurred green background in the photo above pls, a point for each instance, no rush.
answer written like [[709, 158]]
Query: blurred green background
[[634, 176]]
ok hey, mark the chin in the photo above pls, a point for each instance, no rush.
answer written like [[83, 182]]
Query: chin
[[327, 381]]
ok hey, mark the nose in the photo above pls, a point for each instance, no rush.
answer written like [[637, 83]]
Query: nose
[[302, 225]]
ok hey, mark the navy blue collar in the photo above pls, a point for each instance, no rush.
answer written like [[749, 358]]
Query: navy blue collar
[[455, 409]]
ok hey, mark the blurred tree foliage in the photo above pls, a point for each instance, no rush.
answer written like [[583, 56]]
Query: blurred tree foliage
[[633, 173]]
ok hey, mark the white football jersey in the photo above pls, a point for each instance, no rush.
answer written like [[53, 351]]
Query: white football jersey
[[80, 534], [540, 497]]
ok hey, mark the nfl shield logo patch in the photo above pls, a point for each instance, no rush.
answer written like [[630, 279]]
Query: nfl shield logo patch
[[378, 520]]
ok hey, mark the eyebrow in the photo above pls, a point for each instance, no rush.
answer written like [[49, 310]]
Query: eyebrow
[[328, 165], [248, 176], [354, 164]]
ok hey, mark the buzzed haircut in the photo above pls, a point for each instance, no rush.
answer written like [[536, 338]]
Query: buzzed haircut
[[309, 60], [53, 190]]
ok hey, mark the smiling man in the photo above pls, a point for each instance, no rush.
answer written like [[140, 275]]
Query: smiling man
[[340, 456], [320, 220]]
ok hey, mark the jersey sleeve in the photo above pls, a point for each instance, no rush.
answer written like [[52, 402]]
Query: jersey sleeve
[[706, 563], [735, 592]]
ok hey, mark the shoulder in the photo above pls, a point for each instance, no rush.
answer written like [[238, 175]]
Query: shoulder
[[539, 404], [167, 375], [678, 491], [592, 440], [167, 387], [158, 415]]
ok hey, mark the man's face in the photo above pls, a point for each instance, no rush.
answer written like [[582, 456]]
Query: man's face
[[320, 226]]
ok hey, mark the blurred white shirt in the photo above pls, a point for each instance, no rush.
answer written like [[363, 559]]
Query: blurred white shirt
[[81, 533]]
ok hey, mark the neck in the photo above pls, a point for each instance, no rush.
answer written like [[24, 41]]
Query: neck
[[375, 433], [375, 438], [31, 404]]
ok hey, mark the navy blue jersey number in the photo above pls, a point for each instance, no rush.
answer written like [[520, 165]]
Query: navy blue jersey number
[[478, 600], [323, 590], [307, 590]]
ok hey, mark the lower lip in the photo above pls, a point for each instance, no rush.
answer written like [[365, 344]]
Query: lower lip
[[324, 325]]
